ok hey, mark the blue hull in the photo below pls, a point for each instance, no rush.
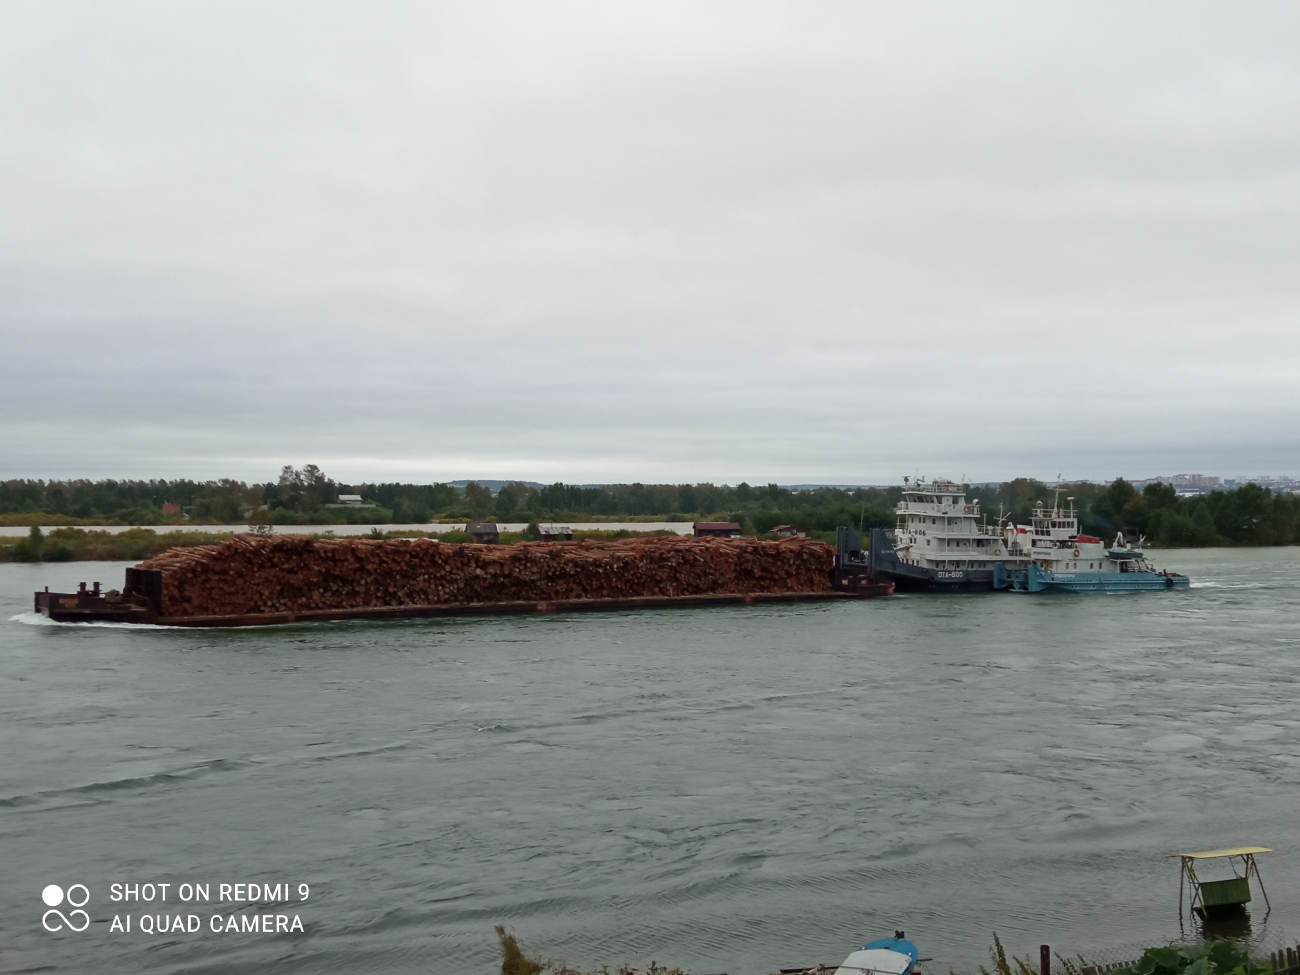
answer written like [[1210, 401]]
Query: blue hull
[[1036, 579]]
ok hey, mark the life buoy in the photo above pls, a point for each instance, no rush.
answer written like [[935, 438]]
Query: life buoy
[[968, 509], [1076, 553]]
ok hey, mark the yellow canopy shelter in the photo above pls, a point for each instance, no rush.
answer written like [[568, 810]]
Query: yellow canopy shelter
[[1220, 895]]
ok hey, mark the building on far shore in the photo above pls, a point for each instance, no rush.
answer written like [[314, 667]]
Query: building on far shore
[[1191, 483], [484, 532], [717, 529], [352, 501]]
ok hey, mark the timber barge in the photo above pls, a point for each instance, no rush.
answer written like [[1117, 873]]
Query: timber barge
[[263, 582]]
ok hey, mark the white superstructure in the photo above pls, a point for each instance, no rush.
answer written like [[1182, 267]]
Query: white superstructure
[[1057, 545], [939, 529]]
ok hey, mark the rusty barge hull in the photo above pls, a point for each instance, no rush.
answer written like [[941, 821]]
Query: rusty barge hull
[[247, 581], [81, 608]]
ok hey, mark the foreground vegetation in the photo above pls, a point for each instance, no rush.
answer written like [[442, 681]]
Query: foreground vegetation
[[515, 962], [1249, 515], [1205, 958]]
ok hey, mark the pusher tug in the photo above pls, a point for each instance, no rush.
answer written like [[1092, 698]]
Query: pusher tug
[[941, 545]]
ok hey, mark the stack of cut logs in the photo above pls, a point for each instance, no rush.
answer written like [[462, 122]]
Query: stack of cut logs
[[249, 574]]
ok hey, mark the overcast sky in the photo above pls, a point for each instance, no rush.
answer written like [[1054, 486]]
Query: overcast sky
[[662, 242]]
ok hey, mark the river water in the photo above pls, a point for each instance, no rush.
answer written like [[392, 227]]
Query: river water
[[729, 790]]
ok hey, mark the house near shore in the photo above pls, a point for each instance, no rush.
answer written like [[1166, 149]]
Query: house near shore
[[484, 532], [352, 501], [717, 529], [554, 533]]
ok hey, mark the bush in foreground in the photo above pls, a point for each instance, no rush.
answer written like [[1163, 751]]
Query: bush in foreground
[[515, 962], [1206, 958]]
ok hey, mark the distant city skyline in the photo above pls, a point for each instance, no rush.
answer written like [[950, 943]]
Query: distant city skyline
[[1204, 482]]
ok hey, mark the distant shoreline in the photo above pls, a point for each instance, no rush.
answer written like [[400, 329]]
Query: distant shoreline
[[134, 544], [431, 528], [19, 523]]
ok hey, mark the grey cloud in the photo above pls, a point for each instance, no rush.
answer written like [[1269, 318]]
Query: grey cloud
[[663, 242]]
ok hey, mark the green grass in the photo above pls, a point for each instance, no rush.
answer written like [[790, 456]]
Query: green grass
[[24, 519], [515, 962], [1207, 958], [79, 545]]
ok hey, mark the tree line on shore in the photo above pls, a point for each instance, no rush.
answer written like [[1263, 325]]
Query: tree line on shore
[[1248, 515]]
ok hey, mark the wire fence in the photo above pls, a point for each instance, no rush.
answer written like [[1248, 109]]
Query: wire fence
[[1276, 948]]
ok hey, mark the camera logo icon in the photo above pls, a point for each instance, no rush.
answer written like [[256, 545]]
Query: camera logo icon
[[76, 896]]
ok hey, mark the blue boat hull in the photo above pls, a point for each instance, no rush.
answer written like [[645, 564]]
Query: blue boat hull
[[1037, 579]]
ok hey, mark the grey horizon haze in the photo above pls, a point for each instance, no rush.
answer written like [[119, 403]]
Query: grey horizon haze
[[801, 243]]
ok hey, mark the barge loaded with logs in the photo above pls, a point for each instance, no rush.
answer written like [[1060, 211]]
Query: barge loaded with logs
[[252, 580]]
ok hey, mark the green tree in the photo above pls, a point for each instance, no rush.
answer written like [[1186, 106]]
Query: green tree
[[302, 490], [1108, 510], [1017, 498], [1206, 535], [223, 506], [31, 548], [512, 498], [289, 488], [1160, 496], [1242, 515], [410, 512], [478, 498], [317, 489]]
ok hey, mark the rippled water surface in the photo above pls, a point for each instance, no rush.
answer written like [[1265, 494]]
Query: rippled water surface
[[735, 789]]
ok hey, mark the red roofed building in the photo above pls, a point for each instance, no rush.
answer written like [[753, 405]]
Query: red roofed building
[[717, 529]]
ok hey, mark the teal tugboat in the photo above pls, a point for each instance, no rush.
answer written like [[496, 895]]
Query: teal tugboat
[[1060, 559]]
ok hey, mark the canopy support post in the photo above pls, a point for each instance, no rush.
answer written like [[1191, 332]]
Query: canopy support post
[[1251, 868], [1182, 879], [1193, 885]]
